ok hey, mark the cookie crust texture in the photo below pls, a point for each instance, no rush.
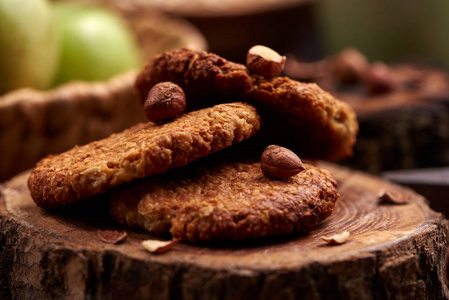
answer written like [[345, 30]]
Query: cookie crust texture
[[326, 127], [297, 115], [229, 201], [144, 149], [204, 77]]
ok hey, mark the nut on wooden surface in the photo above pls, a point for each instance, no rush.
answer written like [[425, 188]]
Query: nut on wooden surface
[[264, 61], [392, 197], [155, 246], [336, 239], [279, 163], [165, 101], [111, 236]]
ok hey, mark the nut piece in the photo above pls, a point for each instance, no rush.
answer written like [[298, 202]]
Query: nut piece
[[165, 101], [264, 61], [390, 197], [379, 79], [154, 246], [336, 239], [350, 65], [279, 162], [111, 236]]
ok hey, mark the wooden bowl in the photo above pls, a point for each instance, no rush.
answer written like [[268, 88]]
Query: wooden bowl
[[36, 123]]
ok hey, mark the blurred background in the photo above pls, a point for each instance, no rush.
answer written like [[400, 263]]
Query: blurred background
[[382, 30], [387, 30], [403, 110]]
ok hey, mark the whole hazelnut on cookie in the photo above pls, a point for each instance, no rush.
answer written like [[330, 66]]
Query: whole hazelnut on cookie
[[264, 61], [165, 101], [280, 163]]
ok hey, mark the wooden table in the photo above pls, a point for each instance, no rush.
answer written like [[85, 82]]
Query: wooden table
[[393, 252]]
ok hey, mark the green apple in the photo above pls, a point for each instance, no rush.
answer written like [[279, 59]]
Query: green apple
[[95, 43], [28, 44]]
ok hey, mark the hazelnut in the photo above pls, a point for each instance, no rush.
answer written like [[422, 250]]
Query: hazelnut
[[155, 246], [264, 61], [379, 79], [391, 197], [279, 162], [165, 101], [111, 236], [336, 239], [349, 66]]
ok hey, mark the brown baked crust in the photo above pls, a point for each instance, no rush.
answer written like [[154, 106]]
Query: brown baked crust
[[226, 201], [206, 78], [140, 151], [300, 116], [325, 127]]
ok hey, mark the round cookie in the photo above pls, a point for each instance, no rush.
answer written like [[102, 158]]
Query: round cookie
[[300, 116], [225, 201], [305, 118], [206, 78], [140, 151]]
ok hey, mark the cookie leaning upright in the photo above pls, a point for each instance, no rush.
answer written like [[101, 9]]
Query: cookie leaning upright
[[140, 151]]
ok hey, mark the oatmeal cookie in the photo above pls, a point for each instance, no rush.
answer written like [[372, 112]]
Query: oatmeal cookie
[[140, 151], [300, 116], [225, 201], [205, 77], [305, 118]]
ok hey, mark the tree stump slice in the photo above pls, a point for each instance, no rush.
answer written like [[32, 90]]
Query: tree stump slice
[[404, 127], [393, 252], [405, 136]]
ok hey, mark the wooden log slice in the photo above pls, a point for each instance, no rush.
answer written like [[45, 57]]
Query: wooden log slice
[[401, 127], [393, 252], [404, 128]]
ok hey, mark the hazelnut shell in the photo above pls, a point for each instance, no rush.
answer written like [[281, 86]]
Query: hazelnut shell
[[264, 61], [280, 163], [165, 101]]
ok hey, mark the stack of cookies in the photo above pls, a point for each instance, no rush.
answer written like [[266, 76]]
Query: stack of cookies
[[194, 171]]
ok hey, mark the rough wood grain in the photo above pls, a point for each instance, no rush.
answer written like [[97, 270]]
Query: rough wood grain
[[406, 127], [432, 183], [401, 128], [411, 135], [394, 252]]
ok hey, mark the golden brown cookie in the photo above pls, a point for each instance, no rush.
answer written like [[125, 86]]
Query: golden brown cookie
[[140, 151], [300, 116], [205, 77], [304, 118], [225, 201]]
